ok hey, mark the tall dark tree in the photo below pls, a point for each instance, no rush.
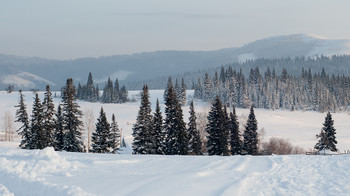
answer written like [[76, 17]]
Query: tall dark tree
[[183, 92], [114, 138], [108, 95], [116, 91], [22, 117], [327, 139], [123, 95], [142, 130], [217, 130], [101, 137], [175, 127], [72, 119], [49, 118], [170, 83], [59, 130], [250, 143], [38, 139], [195, 143], [158, 131], [90, 89], [235, 140]]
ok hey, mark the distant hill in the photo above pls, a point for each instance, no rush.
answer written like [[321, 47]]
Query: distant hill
[[35, 72]]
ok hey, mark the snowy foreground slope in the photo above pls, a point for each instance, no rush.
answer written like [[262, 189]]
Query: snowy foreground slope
[[46, 172]]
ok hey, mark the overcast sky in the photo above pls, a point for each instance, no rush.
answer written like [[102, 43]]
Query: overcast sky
[[66, 29]]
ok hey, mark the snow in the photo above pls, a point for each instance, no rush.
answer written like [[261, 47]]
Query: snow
[[46, 172]]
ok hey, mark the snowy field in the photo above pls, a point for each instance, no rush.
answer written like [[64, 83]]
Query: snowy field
[[47, 172]]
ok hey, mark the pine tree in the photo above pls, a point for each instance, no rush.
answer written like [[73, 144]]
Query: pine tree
[[101, 137], [90, 89], [142, 130], [116, 91], [327, 137], [22, 117], [250, 135], [114, 139], [38, 139], [59, 129], [170, 83], [72, 122], [195, 143], [48, 115], [158, 131], [183, 92], [177, 137], [217, 130], [108, 95], [235, 141], [123, 95]]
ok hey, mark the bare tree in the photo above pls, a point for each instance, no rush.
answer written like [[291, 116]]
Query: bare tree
[[202, 122], [8, 126], [89, 120], [280, 146]]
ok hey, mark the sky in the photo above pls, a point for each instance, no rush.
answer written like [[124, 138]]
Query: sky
[[69, 29]]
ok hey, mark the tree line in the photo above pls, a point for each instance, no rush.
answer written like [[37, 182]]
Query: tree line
[[111, 94], [62, 129], [320, 91]]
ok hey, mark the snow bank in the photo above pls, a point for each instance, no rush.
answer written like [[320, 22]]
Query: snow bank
[[110, 174]]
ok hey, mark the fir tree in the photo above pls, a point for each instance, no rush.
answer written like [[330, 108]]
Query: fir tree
[[195, 143], [170, 83], [48, 115], [114, 139], [158, 131], [175, 128], [38, 139], [72, 122], [235, 141], [142, 130], [123, 95], [22, 117], [217, 130], [101, 137], [59, 129], [183, 92], [116, 91], [250, 135], [327, 137], [90, 89]]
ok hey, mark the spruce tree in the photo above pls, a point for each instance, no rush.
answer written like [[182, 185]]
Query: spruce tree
[[175, 128], [101, 137], [327, 137], [22, 117], [250, 143], [195, 143], [90, 89], [142, 130], [235, 141], [116, 91], [114, 138], [72, 119], [38, 139], [49, 120], [158, 131], [123, 95], [217, 130], [183, 92], [170, 83], [59, 129]]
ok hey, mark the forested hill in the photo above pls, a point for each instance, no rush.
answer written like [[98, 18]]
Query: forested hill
[[34, 72]]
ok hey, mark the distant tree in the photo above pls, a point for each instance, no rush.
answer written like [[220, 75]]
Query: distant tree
[[90, 89], [327, 139], [101, 137], [195, 143], [22, 117], [8, 126], [114, 137], [235, 140], [123, 95], [170, 83], [250, 143], [142, 129], [59, 130], [158, 131], [116, 91], [72, 123], [183, 92], [177, 137], [48, 118], [10, 88], [216, 128]]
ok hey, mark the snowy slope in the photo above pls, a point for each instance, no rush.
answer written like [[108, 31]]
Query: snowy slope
[[47, 172]]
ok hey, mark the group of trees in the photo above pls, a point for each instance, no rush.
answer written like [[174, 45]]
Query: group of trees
[[62, 129], [111, 94], [153, 135], [180, 90], [46, 127], [319, 92]]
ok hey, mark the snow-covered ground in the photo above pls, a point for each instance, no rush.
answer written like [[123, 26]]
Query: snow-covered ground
[[46, 172]]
